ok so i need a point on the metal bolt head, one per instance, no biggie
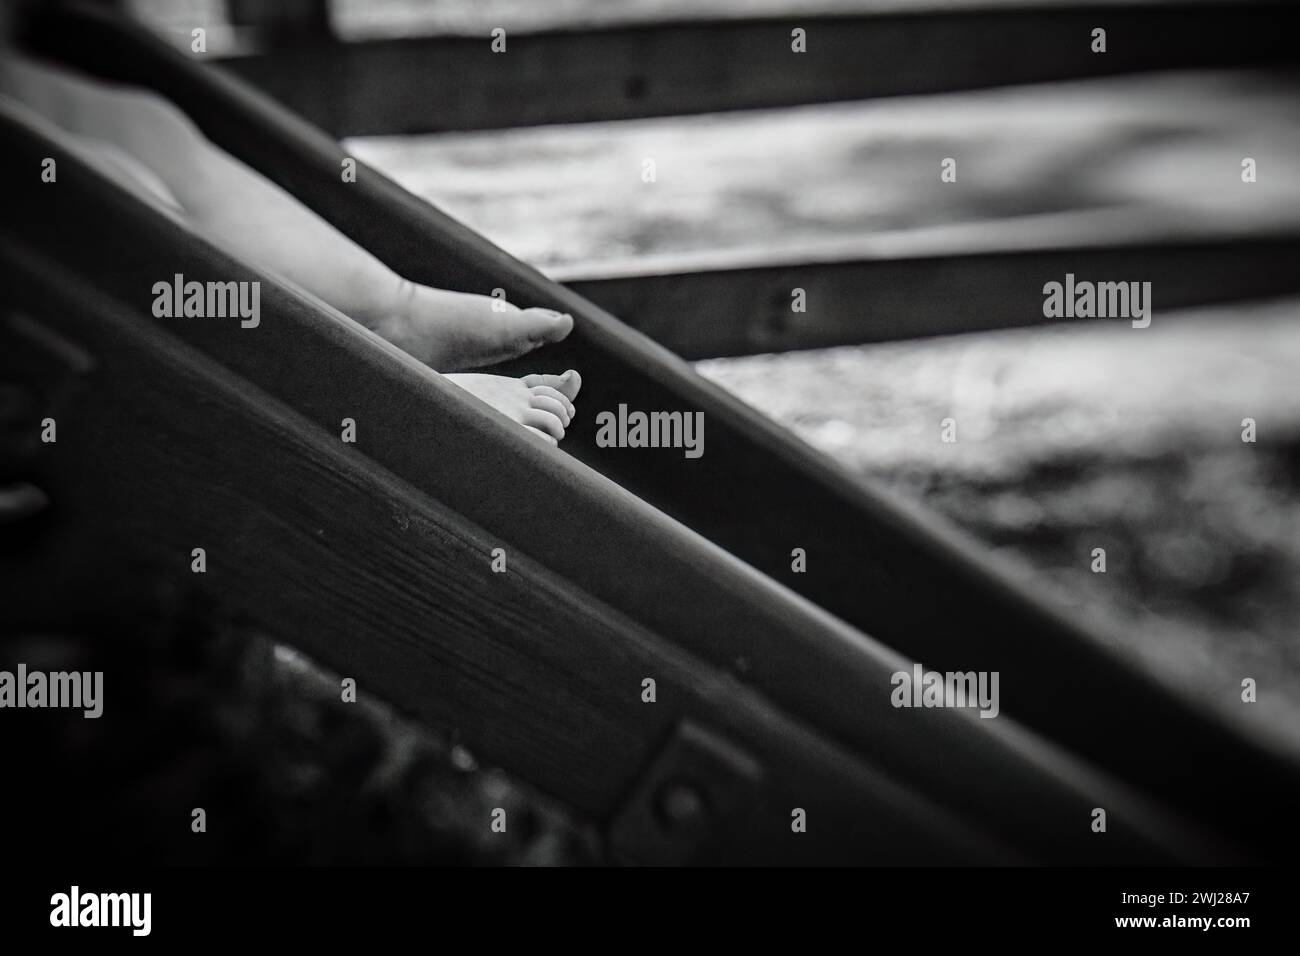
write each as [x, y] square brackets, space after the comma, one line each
[680, 806]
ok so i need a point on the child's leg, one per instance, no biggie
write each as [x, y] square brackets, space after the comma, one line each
[254, 219]
[541, 403]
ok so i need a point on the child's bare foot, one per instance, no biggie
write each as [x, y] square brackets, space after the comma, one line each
[541, 403]
[457, 330]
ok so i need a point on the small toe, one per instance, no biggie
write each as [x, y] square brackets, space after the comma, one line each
[544, 403]
[570, 384]
[567, 384]
[543, 421]
[556, 394]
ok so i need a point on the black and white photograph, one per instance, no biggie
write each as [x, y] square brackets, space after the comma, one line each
[650, 435]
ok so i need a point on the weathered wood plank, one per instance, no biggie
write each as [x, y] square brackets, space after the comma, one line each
[165, 451]
[306, 538]
[747, 309]
[608, 548]
[432, 84]
[880, 564]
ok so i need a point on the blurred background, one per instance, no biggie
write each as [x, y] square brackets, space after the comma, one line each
[1071, 436]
